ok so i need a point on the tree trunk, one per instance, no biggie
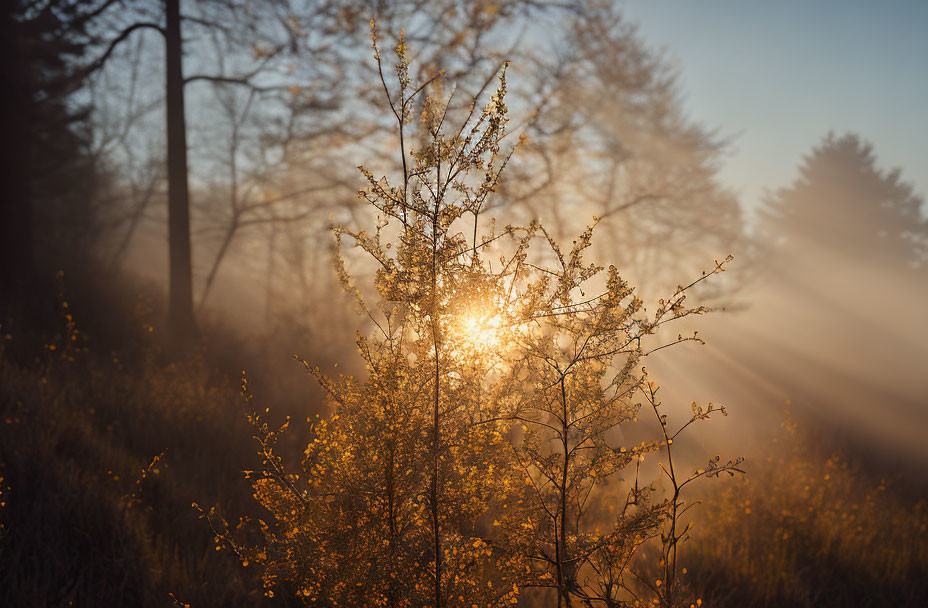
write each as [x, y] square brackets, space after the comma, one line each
[181, 321]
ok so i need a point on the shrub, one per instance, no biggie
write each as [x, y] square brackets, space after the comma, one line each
[463, 465]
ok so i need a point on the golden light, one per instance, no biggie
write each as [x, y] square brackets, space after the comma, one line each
[480, 331]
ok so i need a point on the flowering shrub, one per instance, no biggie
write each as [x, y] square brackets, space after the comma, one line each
[461, 468]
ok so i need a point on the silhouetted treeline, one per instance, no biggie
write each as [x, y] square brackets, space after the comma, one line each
[844, 204]
[49, 174]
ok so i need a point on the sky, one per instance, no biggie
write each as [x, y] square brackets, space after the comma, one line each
[776, 76]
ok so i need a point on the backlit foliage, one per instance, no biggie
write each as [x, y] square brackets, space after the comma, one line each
[462, 466]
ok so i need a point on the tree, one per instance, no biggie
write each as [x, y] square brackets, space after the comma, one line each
[29, 29]
[46, 172]
[395, 485]
[596, 100]
[577, 377]
[393, 504]
[609, 138]
[180, 309]
[842, 202]
[181, 317]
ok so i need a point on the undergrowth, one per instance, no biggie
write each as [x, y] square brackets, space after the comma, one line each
[809, 527]
[81, 525]
[90, 515]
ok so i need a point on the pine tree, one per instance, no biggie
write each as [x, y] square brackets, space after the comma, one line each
[46, 171]
[843, 202]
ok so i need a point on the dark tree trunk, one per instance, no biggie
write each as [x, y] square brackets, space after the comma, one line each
[181, 322]
[17, 257]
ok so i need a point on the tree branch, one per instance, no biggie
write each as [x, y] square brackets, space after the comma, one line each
[98, 63]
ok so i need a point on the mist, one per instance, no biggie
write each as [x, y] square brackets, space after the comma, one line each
[500, 264]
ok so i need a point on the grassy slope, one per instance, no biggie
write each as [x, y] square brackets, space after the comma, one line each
[806, 528]
[80, 422]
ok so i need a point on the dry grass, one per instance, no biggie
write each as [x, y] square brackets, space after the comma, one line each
[78, 425]
[807, 528]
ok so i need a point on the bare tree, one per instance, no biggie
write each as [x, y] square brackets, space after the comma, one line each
[181, 319]
[606, 132]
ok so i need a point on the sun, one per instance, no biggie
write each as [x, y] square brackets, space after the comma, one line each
[480, 331]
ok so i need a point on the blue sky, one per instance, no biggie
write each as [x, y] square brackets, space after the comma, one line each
[778, 75]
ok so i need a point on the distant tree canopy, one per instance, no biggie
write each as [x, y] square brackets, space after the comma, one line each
[843, 202]
[283, 99]
[610, 138]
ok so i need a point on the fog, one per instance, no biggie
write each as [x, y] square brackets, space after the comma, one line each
[196, 192]
[831, 317]
[820, 314]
